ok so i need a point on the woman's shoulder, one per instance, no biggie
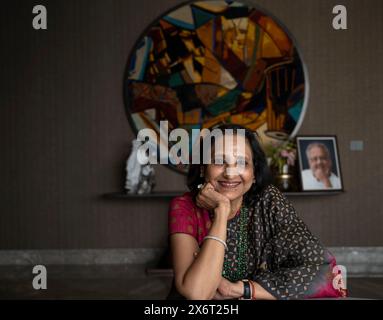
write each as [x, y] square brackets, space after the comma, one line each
[183, 205]
[271, 196]
[183, 215]
[272, 193]
[185, 200]
[275, 204]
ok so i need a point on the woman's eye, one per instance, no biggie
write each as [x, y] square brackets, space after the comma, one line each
[242, 162]
[218, 161]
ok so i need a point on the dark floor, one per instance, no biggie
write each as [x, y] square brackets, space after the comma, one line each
[118, 282]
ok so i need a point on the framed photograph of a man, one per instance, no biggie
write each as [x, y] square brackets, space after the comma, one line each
[319, 163]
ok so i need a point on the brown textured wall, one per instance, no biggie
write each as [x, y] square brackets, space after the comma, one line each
[64, 135]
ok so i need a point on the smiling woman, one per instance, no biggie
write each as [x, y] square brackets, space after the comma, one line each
[235, 236]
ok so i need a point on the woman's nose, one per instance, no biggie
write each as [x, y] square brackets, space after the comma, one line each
[232, 170]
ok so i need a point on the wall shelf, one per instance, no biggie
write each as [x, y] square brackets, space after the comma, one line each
[157, 194]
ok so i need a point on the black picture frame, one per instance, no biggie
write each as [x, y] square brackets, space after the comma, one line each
[325, 146]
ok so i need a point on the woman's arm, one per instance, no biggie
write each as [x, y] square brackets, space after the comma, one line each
[260, 293]
[197, 278]
[234, 290]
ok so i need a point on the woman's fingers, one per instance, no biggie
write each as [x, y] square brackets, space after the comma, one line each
[209, 186]
[204, 202]
[204, 198]
[207, 189]
[209, 199]
[201, 202]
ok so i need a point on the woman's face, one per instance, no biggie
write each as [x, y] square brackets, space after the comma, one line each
[222, 173]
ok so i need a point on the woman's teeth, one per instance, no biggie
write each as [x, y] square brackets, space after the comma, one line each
[229, 184]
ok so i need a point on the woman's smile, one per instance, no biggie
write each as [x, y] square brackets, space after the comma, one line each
[229, 184]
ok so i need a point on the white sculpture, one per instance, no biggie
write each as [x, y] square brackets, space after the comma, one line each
[146, 182]
[139, 178]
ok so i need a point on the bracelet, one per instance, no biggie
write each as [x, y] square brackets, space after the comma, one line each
[247, 294]
[252, 290]
[217, 239]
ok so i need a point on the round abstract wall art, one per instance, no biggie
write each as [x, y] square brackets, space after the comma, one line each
[209, 62]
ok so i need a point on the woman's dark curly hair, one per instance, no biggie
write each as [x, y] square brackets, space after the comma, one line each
[261, 169]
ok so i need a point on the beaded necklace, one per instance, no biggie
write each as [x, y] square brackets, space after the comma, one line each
[238, 269]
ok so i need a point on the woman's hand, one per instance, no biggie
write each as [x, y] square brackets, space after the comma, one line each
[210, 199]
[228, 290]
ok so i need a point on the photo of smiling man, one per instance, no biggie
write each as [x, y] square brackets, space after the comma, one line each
[319, 164]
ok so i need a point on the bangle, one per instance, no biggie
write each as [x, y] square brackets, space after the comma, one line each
[217, 239]
[253, 290]
[246, 290]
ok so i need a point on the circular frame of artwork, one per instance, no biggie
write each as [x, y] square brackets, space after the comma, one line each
[203, 63]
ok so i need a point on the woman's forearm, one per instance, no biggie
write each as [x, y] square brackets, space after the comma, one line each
[202, 279]
[260, 293]
[235, 290]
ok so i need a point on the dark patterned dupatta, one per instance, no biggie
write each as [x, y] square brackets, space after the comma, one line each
[289, 262]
